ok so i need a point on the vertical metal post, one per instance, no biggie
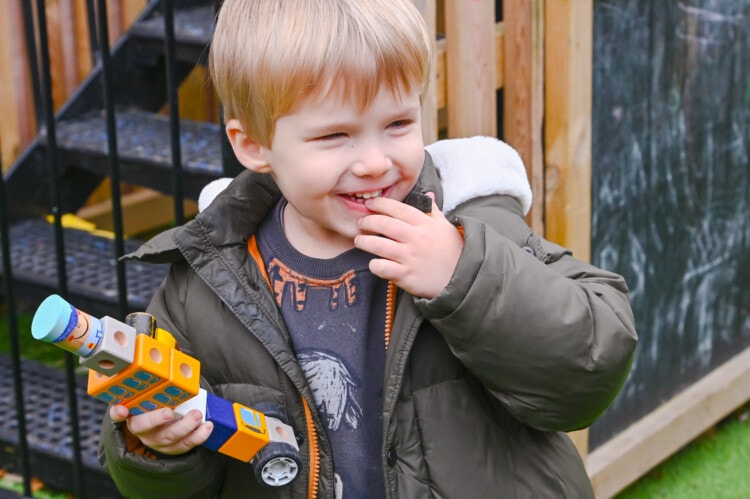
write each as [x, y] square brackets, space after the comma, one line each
[62, 278]
[91, 19]
[174, 108]
[15, 349]
[114, 167]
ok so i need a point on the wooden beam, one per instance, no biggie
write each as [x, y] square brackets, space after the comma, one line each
[499, 55]
[440, 78]
[646, 443]
[131, 9]
[16, 101]
[142, 211]
[68, 46]
[9, 125]
[430, 126]
[470, 67]
[524, 94]
[567, 123]
[82, 59]
[568, 49]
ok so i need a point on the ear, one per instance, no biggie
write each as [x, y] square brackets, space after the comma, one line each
[249, 152]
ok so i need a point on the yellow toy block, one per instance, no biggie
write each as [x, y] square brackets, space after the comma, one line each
[182, 383]
[251, 435]
[165, 337]
[150, 368]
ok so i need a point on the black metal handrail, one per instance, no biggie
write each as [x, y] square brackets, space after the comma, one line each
[37, 43]
[53, 166]
[15, 348]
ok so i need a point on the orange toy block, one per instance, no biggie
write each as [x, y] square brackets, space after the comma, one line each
[182, 383]
[251, 435]
[150, 368]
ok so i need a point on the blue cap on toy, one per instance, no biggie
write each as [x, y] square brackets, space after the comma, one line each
[57, 321]
[53, 319]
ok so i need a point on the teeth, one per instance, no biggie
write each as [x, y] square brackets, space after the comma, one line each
[367, 195]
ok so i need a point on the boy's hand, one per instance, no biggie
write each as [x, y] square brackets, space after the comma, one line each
[419, 251]
[159, 430]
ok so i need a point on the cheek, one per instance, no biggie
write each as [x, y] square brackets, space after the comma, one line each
[416, 159]
[303, 184]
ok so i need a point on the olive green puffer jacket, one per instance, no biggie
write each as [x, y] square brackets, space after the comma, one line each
[525, 343]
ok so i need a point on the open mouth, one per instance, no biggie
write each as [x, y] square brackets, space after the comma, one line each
[361, 197]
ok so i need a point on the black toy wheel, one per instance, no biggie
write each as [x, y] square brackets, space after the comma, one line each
[277, 464]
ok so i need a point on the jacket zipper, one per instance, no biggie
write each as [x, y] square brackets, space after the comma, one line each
[312, 485]
[390, 309]
[312, 433]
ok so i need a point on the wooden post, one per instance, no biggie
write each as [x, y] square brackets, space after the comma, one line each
[567, 124]
[428, 8]
[68, 46]
[16, 101]
[524, 93]
[82, 58]
[567, 132]
[470, 67]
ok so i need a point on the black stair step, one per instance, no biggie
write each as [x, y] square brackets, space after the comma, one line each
[143, 145]
[193, 28]
[48, 431]
[90, 268]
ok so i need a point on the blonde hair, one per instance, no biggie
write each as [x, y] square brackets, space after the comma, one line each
[268, 56]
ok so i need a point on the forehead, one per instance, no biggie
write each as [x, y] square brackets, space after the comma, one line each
[337, 102]
[349, 93]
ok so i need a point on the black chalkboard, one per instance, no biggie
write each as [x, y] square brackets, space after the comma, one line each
[671, 187]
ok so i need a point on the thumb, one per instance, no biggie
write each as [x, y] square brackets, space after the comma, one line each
[118, 413]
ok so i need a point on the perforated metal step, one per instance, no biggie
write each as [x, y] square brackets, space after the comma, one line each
[90, 267]
[193, 27]
[143, 146]
[48, 428]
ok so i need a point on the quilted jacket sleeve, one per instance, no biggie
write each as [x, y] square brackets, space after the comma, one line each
[194, 474]
[550, 337]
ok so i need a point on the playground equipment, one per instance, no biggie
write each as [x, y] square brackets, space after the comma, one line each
[139, 365]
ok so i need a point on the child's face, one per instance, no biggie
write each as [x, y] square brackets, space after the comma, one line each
[327, 157]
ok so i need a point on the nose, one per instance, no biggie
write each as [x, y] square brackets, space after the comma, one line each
[371, 161]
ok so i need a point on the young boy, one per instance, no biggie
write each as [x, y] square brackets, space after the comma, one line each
[415, 354]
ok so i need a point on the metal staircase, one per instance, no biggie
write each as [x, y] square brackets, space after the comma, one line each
[139, 74]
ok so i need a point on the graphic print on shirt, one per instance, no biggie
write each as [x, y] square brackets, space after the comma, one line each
[334, 312]
[332, 388]
[332, 383]
[283, 278]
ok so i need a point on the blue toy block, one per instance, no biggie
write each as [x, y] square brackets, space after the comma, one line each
[221, 413]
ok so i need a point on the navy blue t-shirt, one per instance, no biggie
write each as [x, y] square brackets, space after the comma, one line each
[335, 311]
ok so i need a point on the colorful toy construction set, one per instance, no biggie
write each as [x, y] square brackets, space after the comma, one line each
[139, 365]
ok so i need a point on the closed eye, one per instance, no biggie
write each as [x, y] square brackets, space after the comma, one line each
[331, 136]
[400, 123]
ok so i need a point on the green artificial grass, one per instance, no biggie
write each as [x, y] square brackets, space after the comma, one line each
[30, 348]
[38, 489]
[715, 466]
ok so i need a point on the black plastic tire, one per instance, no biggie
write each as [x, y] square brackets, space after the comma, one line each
[277, 464]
